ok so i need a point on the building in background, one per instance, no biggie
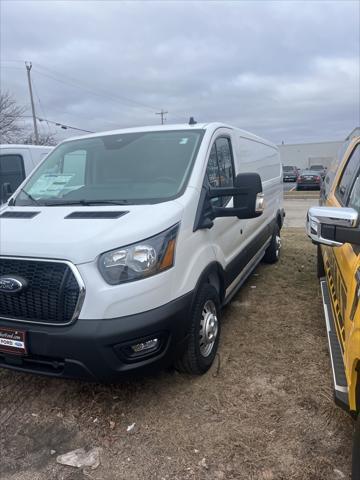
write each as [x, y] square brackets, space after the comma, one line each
[303, 155]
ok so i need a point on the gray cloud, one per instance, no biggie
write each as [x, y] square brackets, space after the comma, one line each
[284, 70]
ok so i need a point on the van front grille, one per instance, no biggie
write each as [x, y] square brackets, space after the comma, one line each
[50, 295]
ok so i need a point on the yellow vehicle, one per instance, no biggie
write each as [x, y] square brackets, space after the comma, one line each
[335, 228]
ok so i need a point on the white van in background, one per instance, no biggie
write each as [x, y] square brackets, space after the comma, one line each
[16, 162]
[121, 248]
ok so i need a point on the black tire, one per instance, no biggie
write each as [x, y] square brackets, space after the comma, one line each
[272, 253]
[192, 360]
[356, 451]
[320, 270]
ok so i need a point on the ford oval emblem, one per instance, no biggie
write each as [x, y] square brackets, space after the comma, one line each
[11, 284]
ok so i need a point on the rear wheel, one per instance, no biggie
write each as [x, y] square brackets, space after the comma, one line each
[356, 451]
[272, 253]
[320, 263]
[203, 339]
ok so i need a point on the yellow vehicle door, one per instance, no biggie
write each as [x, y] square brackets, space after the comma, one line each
[342, 265]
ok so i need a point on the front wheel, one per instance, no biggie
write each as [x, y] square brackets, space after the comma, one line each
[356, 451]
[203, 338]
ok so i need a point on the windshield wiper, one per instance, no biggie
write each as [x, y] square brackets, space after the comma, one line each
[108, 202]
[86, 202]
[29, 196]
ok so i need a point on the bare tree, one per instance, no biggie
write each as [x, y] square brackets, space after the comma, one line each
[48, 139]
[10, 114]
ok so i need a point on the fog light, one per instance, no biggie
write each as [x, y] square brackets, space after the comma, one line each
[139, 349]
[151, 344]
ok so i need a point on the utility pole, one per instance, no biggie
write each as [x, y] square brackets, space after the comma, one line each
[28, 68]
[162, 114]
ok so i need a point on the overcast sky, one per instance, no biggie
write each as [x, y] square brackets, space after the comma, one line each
[284, 70]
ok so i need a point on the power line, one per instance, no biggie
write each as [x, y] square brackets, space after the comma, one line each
[75, 83]
[66, 80]
[63, 126]
[58, 124]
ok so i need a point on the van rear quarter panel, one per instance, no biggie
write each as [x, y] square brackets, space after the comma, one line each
[252, 155]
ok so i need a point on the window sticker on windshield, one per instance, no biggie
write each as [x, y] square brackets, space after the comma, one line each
[183, 141]
[51, 183]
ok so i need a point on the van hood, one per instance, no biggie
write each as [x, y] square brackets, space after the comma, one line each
[64, 233]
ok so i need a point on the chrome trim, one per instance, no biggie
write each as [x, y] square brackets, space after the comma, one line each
[338, 216]
[78, 278]
[338, 388]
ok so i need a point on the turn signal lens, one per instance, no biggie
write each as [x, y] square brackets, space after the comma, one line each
[168, 260]
[260, 203]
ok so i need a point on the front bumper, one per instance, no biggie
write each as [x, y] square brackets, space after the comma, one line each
[97, 349]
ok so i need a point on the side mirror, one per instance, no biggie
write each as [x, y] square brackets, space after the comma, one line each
[247, 194]
[6, 192]
[333, 226]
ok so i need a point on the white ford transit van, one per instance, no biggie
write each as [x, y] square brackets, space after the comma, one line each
[119, 251]
[16, 162]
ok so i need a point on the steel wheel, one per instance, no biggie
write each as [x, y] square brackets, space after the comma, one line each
[208, 328]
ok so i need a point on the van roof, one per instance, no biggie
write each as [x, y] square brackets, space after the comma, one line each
[176, 126]
[31, 147]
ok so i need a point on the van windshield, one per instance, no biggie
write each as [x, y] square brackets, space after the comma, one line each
[128, 168]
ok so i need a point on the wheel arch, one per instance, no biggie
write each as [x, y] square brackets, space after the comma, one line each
[280, 215]
[214, 275]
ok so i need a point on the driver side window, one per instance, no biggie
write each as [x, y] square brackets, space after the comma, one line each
[220, 169]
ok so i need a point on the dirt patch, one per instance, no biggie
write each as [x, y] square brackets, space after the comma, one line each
[264, 411]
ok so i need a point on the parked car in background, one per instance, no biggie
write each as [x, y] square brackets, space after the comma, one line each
[16, 162]
[308, 180]
[320, 169]
[122, 247]
[290, 173]
[335, 228]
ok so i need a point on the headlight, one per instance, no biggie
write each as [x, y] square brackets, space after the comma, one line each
[139, 260]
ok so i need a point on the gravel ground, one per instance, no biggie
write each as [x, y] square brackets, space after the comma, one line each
[264, 411]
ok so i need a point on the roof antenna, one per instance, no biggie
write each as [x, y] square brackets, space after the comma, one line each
[192, 121]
